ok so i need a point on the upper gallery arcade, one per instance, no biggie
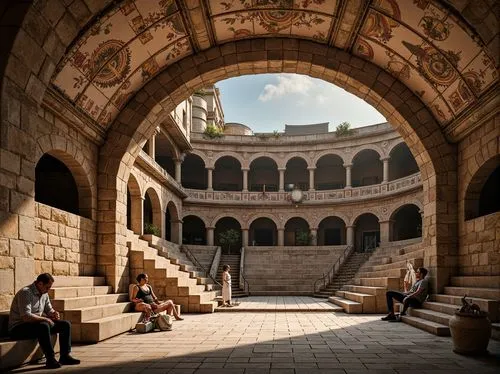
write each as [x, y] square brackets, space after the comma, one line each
[106, 100]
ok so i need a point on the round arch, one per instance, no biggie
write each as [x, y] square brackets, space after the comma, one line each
[70, 154]
[193, 172]
[297, 232]
[227, 174]
[257, 155]
[300, 155]
[366, 147]
[297, 173]
[220, 155]
[222, 238]
[366, 232]
[401, 162]
[134, 205]
[330, 173]
[328, 152]
[152, 213]
[263, 174]
[405, 222]
[172, 223]
[263, 231]
[194, 230]
[332, 231]
[367, 168]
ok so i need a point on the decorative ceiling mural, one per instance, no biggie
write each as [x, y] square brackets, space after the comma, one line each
[119, 53]
[420, 42]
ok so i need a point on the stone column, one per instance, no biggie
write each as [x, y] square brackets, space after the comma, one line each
[210, 235]
[350, 235]
[348, 168]
[281, 237]
[176, 234]
[244, 237]
[137, 212]
[152, 144]
[314, 236]
[385, 160]
[282, 179]
[385, 231]
[311, 177]
[178, 170]
[209, 181]
[245, 179]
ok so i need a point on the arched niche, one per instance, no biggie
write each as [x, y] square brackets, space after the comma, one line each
[482, 194]
[152, 214]
[222, 226]
[330, 173]
[332, 231]
[297, 232]
[263, 172]
[296, 174]
[401, 162]
[367, 169]
[194, 173]
[263, 232]
[406, 223]
[366, 232]
[227, 174]
[193, 231]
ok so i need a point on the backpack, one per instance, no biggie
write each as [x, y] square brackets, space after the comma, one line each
[163, 322]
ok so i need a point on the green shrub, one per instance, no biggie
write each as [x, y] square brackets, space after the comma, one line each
[213, 131]
[303, 238]
[150, 229]
[344, 129]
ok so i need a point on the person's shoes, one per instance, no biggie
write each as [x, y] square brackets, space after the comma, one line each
[397, 318]
[179, 319]
[68, 360]
[389, 317]
[52, 363]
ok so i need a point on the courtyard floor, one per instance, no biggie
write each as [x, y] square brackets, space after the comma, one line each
[279, 342]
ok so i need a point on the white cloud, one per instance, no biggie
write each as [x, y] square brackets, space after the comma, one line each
[321, 98]
[287, 84]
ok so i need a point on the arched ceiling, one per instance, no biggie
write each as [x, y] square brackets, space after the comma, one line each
[424, 43]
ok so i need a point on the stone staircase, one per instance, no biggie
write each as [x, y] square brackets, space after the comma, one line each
[345, 274]
[385, 269]
[436, 313]
[172, 274]
[94, 311]
[234, 262]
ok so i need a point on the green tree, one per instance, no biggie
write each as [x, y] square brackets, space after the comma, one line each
[229, 237]
[344, 129]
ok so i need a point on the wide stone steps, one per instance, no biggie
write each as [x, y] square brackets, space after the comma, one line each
[97, 312]
[103, 328]
[487, 305]
[67, 292]
[376, 291]
[440, 307]
[476, 281]
[397, 257]
[78, 281]
[349, 306]
[431, 315]
[429, 326]
[483, 293]
[391, 273]
[82, 302]
[387, 282]
[417, 262]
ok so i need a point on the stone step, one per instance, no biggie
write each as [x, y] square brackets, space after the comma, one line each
[304, 290]
[476, 281]
[417, 262]
[97, 312]
[430, 315]
[78, 281]
[391, 273]
[495, 331]
[429, 326]
[487, 305]
[376, 291]
[103, 328]
[471, 292]
[70, 292]
[87, 301]
[14, 353]
[387, 282]
[368, 302]
[349, 306]
[440, 307]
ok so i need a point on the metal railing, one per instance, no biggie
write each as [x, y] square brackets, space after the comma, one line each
[243, 282]
[327, 277]
[195, 261]
[215, 263]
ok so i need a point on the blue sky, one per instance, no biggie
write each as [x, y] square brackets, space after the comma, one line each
[266, 102]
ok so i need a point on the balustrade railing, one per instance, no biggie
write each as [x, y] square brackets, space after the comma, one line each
[195, 261]
[396, 186]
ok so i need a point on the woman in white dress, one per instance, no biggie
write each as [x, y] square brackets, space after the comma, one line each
[226, 286]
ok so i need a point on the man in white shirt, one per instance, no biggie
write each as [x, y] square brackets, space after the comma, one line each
[414, 298]
[32, 316]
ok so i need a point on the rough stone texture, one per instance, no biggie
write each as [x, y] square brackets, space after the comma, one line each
[65, 243]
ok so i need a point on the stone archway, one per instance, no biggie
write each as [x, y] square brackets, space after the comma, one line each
[24, 82]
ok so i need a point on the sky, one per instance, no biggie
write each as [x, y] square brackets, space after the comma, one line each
[266, 102]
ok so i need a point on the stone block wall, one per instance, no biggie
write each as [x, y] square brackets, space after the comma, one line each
[479, 250]
[65, 243]
[288, 269]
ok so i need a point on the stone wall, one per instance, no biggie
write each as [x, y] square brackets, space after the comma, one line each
[65, 243]
[288, 269]
[479, 238]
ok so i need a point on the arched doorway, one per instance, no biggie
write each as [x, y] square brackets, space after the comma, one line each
[152, 214]
[194, 173]
[296, 174]
[55, 185]
[482, 195]
[263, 232]
[367, 169]
[329, 173]
[263, 172]
[134, 206]
[297, 232]
[172, 223]
[401, 162]
[228, 235]
[332, 231]
[406, 223]
[367, 232]
[227, 174]
[193, 231]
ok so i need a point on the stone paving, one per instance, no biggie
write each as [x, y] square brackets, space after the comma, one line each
[288, 343]
[281, 304]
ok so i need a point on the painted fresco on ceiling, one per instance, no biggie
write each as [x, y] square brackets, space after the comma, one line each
[425, 46]
[120, 53]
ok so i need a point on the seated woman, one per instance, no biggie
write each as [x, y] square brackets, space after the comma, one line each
[146, 301]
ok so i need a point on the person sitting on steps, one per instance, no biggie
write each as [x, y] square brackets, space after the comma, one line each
[146, 301]
[414, 298]
[32, 316]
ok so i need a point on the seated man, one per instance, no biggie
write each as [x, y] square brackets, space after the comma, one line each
[414, 298]
[32, 316]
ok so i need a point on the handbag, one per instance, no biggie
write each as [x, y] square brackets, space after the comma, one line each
[163, 322]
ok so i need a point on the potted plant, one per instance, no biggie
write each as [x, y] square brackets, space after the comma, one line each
[150, 229]
[229, 238]
[470, 329]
